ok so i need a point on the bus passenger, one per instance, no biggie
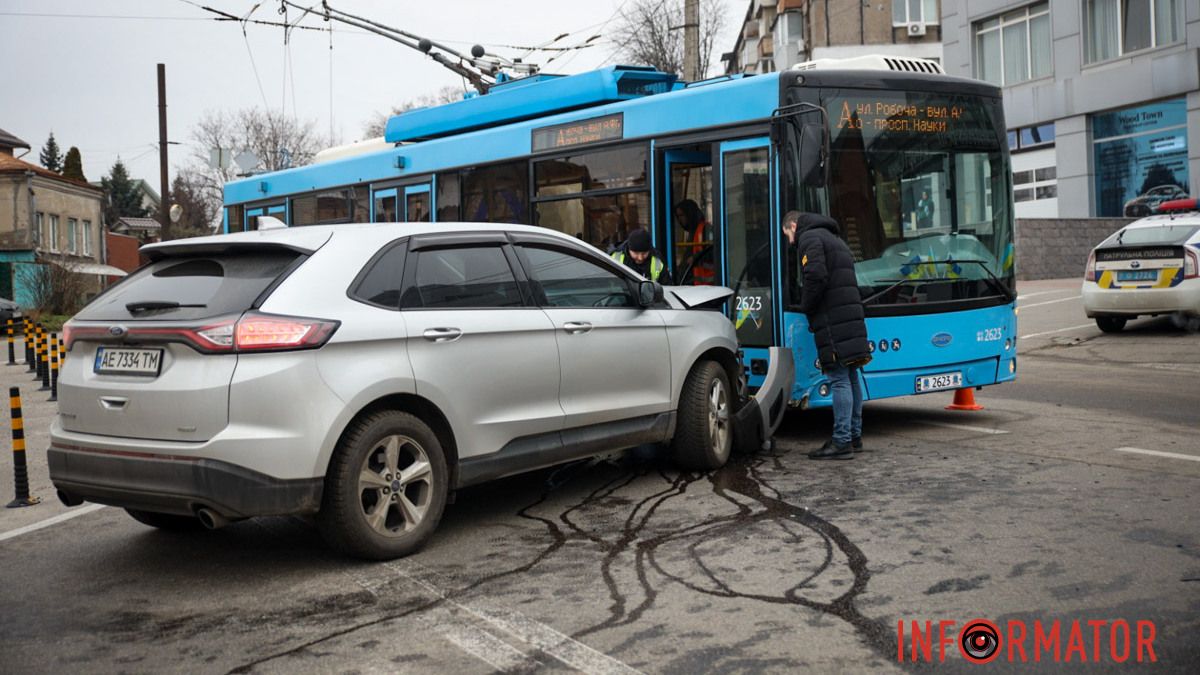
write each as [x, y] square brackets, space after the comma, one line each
[699, 251]
[639, 255]
[830, 299]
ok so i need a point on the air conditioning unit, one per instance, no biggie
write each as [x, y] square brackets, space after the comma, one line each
[916, 29]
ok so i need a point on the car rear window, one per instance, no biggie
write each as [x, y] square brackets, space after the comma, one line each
[1167, 234]
[185, 288]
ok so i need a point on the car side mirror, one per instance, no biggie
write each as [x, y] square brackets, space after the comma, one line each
[649, 293]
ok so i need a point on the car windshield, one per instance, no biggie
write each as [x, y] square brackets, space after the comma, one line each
[1167, 234]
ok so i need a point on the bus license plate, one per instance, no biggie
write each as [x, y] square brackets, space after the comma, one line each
[1137, 275]
[124, 361]
[938, 382]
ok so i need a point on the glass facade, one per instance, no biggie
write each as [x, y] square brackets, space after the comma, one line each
[1140, 157]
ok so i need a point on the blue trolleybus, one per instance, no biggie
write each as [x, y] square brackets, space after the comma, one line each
[912, 164]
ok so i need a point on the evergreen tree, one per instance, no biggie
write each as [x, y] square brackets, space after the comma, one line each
[121, 195]
[50, 156]
[73, 165]
[197, 214]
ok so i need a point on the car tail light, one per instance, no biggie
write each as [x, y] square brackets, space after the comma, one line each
[1089, 272]
[262, 332]
[1191, 264]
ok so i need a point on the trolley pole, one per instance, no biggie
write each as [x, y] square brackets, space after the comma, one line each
[20, 472]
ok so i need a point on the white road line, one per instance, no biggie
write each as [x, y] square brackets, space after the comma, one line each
[1159, 453]
[74, 513]
[1034, 295]
[551, 642]
[964, 427]
[485, 646]
[1056, 330]
[1050, 302]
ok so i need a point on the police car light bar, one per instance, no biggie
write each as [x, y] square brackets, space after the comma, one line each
[1176, 205]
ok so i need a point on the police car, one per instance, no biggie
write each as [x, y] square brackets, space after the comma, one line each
[1147, 268]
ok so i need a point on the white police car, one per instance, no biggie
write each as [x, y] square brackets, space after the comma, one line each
[1147, 268]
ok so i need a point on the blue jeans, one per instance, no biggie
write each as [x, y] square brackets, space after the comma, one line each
[847, 403]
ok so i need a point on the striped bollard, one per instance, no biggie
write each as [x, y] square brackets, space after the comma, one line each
[53, 367]
[12, 349]
[30, 358]
[39, 351]
[20, 472]
[45, 362]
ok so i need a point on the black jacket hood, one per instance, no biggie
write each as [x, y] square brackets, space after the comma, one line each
[808, 221]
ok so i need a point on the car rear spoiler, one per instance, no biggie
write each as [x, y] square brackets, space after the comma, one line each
[242, 242]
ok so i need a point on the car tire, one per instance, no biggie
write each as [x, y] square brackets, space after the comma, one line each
[166, 521]
[704, 427]
[369, 509]
[1111, 324]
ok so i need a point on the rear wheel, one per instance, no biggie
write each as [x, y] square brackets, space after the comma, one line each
[386, 487]
[1111, 324]
[166, 521]
[704, 428]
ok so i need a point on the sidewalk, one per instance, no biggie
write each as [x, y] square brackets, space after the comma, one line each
[38, 412]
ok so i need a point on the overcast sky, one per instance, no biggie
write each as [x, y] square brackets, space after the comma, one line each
[85, 69]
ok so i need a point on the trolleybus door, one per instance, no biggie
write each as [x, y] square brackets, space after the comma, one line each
[384, 206]
[418, 203]
[751, 236]
[688, 177]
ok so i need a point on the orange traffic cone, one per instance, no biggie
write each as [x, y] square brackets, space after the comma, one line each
[964, 399]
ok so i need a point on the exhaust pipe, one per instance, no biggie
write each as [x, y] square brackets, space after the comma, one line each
[211, 519]
[68, 499]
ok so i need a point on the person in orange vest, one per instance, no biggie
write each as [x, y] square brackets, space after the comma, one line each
[691, 219]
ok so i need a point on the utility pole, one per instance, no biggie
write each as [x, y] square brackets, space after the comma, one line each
[164, 207]
[691, 40]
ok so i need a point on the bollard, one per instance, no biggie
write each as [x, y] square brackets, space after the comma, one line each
[39, 347]
[30, 357]
[12, 349]
[53, 367]
[20, 472]
[45, 362]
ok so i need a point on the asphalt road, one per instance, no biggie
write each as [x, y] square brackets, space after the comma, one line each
[1048, 505]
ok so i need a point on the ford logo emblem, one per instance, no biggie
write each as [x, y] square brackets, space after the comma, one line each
[117, 331]
[1135, 264]
[942, 339]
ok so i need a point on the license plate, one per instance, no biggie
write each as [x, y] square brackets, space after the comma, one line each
[940, 381]
[125, 361]
[1137, 275]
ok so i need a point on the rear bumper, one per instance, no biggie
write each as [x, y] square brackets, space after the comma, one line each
[176, 484]
[1141, 301]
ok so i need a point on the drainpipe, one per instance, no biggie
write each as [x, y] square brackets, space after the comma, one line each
[34, 235]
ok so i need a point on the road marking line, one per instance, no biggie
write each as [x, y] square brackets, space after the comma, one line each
[558, 645]
[1057, 330]
[1050, 302]
[964, 427]
[1034, 295]
[74, 513]
[1159, 453]
[485, 646]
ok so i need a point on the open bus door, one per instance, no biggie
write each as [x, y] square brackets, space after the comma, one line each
[692, 249]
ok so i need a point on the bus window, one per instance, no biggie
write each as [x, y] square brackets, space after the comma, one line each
[602, 221]
[564, 203]
[448, 197]
[235, 218]
[497, 193]
[747, 206]
[417, 207]
[689, 212]
[385, 206]
[328, 206]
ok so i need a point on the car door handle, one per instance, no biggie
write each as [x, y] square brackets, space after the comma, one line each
[577, 326]
[113, 402]
[442, 334]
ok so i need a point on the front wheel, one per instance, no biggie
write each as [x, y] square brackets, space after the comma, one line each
[704, 428]
[386, 487]
[1111, 324]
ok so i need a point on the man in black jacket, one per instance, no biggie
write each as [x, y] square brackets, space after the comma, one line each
[830, 299]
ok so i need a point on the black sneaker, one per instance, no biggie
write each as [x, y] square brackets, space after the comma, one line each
[832, 450]
[856, 444]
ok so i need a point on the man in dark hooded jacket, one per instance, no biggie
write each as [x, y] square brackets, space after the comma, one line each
[830, 299]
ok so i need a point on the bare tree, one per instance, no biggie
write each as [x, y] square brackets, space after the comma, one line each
[650, 32]
[279, 142]
[378, 122]
[55, 287]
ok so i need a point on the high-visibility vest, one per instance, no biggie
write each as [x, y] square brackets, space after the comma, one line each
[702, 274]
[656, 265]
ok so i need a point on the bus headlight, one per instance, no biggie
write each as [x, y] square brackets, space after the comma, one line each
[1007, 344]
[1012, 366]
[824, 389]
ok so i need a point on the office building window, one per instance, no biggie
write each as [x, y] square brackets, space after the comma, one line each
[1015, 46]
[1030, 137]
[72, 235]
[52, 241]
[1116, 27]
[87, 237]
[905, 12]
[1035, 184]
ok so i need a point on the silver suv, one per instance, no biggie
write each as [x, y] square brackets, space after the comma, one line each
[362, 372]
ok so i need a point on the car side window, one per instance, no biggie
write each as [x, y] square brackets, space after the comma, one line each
[572, 281]
[461, 278]
[380, 283]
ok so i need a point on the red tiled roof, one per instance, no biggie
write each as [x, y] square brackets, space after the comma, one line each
[10, 164]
